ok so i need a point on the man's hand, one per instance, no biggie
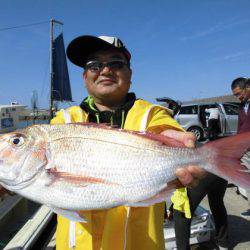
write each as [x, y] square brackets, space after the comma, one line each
[190, 175]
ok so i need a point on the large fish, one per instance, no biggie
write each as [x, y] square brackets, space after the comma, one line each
[74, 167]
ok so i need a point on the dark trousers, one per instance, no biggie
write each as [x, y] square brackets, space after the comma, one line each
[215, 188]
[213, 129]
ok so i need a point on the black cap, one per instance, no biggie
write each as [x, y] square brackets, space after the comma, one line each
[81, 47]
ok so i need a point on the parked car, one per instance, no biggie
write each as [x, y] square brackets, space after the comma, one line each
[192, 117]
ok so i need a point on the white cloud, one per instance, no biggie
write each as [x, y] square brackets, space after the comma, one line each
[214, 29]
[232, 57]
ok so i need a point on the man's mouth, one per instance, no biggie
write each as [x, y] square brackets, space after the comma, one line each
[107, 81]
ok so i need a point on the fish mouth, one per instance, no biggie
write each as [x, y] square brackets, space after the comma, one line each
[18, 183]
[15, 186]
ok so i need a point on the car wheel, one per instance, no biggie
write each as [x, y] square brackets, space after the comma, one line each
[198, 132]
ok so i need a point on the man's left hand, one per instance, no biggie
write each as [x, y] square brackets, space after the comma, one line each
[190, 175]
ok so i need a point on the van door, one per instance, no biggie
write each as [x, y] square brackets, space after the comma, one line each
[231, 118]
[188, 116]
[222, 119]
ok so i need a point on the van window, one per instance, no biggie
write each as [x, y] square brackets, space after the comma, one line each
[231, 109]
[189, 110]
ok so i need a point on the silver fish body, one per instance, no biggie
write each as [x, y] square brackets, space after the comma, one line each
[85, 167]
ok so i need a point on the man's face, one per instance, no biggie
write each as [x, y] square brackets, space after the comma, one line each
[111, 84]
[247, 93]
[239, 93]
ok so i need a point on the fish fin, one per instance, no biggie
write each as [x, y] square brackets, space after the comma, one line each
[163, 195]
[70, 215]
[79, 179]
[228, 154]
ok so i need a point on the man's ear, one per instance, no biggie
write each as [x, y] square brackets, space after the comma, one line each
[84, 75]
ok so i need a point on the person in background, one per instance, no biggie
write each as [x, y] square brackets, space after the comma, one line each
[107, 76]
[214, 187]
[241, 89]
[213, 123]
[175, 106]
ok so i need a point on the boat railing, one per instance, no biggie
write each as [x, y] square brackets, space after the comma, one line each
[26, 225]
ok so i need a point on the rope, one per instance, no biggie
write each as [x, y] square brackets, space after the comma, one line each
[22, 26]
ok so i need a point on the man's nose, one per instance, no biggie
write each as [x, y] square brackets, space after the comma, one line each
[105, 70]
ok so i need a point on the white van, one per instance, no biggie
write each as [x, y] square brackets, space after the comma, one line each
[193, 118]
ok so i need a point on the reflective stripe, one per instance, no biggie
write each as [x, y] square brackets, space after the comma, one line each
[126, 227]
[66, 115]
[145, 118]
[72, 234]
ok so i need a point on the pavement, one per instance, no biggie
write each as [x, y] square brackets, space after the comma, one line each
[239, 228]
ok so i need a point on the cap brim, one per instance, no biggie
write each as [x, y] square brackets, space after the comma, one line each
[81, 47]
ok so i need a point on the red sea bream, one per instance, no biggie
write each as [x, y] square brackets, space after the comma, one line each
[74, 167]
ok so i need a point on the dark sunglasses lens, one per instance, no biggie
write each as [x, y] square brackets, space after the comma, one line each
[115, 64]
[94, 66]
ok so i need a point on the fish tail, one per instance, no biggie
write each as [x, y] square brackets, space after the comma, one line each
[228, 154]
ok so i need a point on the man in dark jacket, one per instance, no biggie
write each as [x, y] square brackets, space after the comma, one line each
[241, 89]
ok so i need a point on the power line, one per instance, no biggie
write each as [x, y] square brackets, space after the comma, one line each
[22, 26]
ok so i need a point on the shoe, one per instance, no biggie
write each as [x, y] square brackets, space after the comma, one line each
[246, 214]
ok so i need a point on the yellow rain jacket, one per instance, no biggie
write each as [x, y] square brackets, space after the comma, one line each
[135, 228]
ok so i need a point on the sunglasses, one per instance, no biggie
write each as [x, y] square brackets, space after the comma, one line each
[96, 66]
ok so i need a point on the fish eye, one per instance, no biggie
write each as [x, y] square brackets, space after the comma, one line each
[17, 141]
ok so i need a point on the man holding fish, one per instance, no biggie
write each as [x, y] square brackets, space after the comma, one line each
[107, 76]
[106, 184]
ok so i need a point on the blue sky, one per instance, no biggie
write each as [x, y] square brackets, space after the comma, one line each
[181, 49]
